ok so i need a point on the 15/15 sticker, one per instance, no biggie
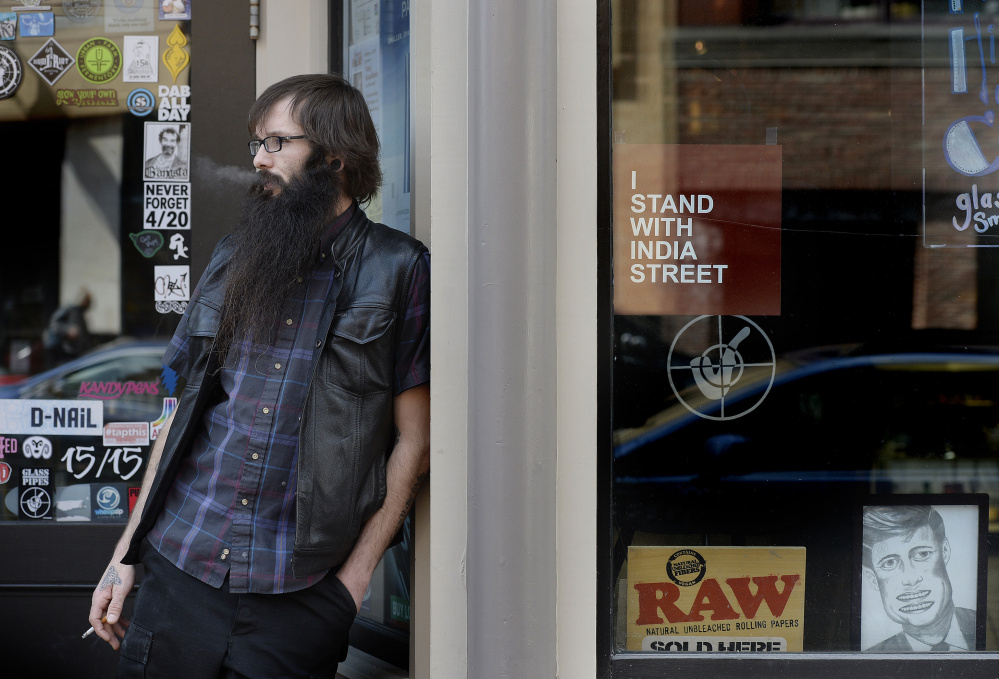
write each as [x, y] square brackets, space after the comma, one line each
[124, 462]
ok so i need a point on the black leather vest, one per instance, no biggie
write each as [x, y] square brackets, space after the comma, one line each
[347, 429]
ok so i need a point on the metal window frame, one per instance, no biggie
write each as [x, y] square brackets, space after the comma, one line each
[631, 665]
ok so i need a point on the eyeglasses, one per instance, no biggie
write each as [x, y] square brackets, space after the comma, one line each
[270, 144]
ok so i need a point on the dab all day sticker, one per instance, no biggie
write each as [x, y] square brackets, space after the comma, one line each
[175, 102]
[99, 60]
[51, 61]
[11, 72]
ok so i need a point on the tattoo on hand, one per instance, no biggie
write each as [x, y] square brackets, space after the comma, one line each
[110, 579]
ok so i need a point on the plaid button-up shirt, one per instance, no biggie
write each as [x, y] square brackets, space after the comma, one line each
[232, 505]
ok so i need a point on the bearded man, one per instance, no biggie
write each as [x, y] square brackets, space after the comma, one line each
[302, 436]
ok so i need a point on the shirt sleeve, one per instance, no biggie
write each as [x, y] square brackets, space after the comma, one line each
[412, 359]
[177, 356]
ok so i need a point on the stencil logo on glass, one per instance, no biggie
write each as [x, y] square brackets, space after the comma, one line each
[720, 366]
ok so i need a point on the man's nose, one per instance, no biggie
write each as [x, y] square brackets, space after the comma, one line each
[262, 159]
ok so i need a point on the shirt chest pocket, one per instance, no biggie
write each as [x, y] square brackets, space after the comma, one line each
[360, 354]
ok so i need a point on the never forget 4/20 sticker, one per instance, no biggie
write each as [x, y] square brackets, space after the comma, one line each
[99, 60]
[11, 72]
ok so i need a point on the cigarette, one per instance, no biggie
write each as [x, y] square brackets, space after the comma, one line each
[91, 630]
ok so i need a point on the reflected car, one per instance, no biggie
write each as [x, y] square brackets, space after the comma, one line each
[127, 375]
[830, 424]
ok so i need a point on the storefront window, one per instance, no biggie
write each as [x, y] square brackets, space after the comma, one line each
[805, 407]
[95, 105]
[375, 57]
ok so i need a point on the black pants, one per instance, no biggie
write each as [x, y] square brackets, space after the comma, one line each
[182, 627]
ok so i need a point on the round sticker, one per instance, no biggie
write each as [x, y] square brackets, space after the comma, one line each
[686, 567]
[81, 11]
[141, 102]
[734, 349]
[108, 498]
[128, 6]
[35, 502]
[11, 72]
[99, 60]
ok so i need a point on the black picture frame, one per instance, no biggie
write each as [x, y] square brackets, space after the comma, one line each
[965, 522]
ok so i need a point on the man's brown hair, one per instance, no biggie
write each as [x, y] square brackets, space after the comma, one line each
[334, 117]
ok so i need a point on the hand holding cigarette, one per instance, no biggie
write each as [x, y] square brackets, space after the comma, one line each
[91, 630]
[107, 603]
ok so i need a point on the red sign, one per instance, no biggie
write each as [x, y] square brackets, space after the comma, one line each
[697, 229]
[4, 472]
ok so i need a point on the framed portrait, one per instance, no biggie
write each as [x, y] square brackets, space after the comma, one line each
[920, 580]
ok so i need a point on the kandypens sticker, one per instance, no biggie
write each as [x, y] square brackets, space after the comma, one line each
[99, 60]
[11, 72]
[176, 58]
[8, 25]
[51, 61]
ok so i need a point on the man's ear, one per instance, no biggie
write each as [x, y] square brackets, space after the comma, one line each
[872, 580]
[945, 547]
[336, 164]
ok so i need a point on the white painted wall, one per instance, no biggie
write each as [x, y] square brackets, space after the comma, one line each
[294, 39]
[576, 317]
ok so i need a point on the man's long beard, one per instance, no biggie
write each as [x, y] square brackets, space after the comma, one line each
[276, 242]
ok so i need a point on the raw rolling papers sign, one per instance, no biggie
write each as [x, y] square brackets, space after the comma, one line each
[716, 599]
